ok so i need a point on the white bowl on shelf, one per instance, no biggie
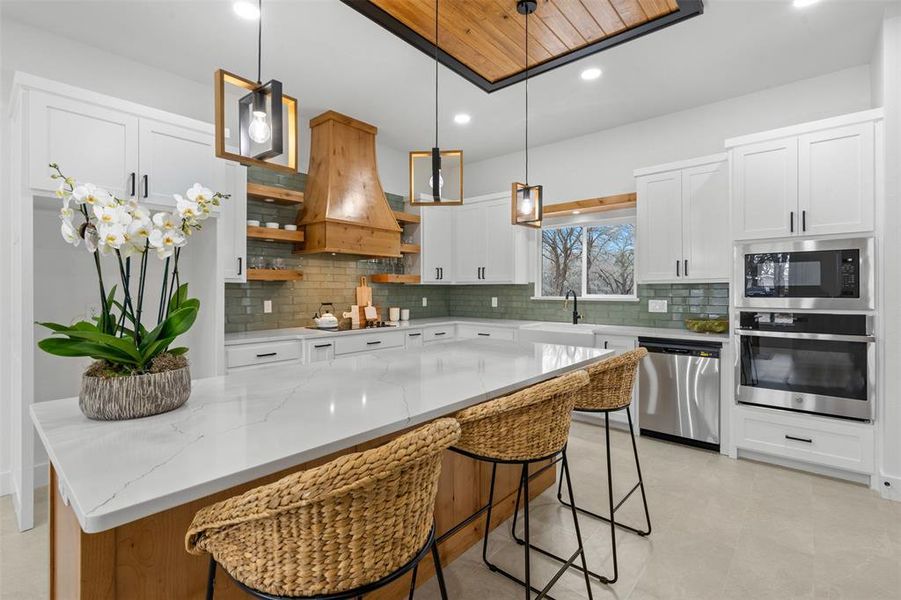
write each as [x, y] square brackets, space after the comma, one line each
[253, 223]
[272, 225]
[290, 227]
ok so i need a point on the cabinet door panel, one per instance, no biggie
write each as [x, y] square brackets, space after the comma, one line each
[837, 180]
[232, 225]
[498, 265]
[437, 229]
[469, 242]
[89, 142]
[765, 190]
[175, 158]
[706, 239]
[659, 236]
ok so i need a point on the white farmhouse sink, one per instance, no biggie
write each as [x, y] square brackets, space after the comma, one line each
[559, 333]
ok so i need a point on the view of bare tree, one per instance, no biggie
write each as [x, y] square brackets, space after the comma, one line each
[561, 260]
[609, 260]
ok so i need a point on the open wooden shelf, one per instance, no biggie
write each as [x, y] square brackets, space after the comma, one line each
[274, 235]
[404, 217]
[278, 195]
[410, 248]
[591, 205]
[394, 278]
[273, 275]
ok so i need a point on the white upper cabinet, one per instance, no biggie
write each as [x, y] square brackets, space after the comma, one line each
[812, 179]
[232, 224]
[475, 243]
[660, 226]
[836, 190]
[706, 238]
[683, 216]
[765, 189]
[89, 142]
[174, 158]
[437, 244]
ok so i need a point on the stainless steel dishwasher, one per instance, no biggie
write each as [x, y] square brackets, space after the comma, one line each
[679, 391]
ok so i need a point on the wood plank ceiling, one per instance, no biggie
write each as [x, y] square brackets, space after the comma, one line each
[487, 37]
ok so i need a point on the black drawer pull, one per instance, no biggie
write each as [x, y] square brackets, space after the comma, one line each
[484, 334]
[322, 345]
[437, 333]
[414, 334]
[267, 354]
[798, 439]
[373, 343]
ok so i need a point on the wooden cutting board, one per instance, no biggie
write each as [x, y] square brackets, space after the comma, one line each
[364, 293]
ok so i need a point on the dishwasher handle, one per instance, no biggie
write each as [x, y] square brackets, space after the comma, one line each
[680, 348]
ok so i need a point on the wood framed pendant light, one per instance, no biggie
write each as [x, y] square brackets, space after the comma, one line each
[444, 185]
[527, 200]
[265, 117]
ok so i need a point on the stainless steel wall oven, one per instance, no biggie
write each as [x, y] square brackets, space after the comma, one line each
[807, 362]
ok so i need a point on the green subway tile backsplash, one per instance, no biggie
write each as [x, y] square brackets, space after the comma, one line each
[334, 279]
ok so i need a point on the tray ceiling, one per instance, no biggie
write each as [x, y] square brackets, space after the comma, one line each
[484, 40]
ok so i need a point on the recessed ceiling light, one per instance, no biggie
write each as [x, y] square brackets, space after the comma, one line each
[462, 119]
[804, 3]
[591, 74]
[577, 212]
[246, 10]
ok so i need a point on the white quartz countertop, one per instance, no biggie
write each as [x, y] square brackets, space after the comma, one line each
[269, 335]
[246, 425]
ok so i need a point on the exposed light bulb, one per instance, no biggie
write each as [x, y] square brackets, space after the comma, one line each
[246, 10]
[259, 129]
[440, 182]
[526, 205]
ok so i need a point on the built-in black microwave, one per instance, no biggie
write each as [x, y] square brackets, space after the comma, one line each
[812, 274]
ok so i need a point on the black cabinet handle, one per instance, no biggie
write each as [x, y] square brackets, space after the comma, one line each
[414, 334]
[685, 269]
[322, 345]
[791, 221]
[803, 220]
[267, 354]
[436, 273]
[133, 183]
[677, 269]
[484, 334]
[605, 344]
[373, 343]
[798, 439]
[145, 181]
[240, 265]
[437, 333]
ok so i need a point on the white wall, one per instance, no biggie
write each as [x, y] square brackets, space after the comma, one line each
[601, 163]
[39, 53]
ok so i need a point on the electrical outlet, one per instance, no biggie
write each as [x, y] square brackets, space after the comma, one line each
[493, 302]
[267, 306]
[425, 301]
[657, 306]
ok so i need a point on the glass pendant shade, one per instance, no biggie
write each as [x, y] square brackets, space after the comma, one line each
[436, 177]
[527, 203]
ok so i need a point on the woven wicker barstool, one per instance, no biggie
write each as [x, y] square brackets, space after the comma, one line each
[336, 531]
[609, 390]
[523, 428]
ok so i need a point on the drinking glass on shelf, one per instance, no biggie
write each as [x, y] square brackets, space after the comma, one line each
[278, 263]
[257, 262]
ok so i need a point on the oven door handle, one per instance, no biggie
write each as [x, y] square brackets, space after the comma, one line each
[825, 337]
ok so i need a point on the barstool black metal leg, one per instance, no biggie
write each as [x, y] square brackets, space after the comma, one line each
[439, 571]
[610, 499]
[575, 514]
[637, 486]
[524, 484]
[211, 579]
[488, 519]
[413, 581]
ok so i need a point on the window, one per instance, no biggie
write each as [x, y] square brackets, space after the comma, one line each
[593, 259]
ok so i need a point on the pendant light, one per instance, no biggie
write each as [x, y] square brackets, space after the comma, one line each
[261, 116]
[526, 200]
[437, 190]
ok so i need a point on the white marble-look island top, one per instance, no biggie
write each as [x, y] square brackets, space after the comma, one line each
[247, 425]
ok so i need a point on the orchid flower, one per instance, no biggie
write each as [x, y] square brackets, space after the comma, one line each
[70, 234]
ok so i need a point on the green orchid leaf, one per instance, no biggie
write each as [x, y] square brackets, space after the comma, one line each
[178, 298]
[177, 351]
[69, 348]
[124, 345]
[177, 323]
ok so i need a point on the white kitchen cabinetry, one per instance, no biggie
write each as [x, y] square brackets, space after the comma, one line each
[683, 209]
[264, 353]
[414, 339]
[437, 230]
[483, 331]
[438, 333]
[232, 224]
[320, 350]
[811, 179]
[368, 342]
[475, 243]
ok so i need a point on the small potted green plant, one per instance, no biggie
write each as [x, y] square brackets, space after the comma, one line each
[137, 372]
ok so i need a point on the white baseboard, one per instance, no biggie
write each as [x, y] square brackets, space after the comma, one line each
[41, 478]
[889, 487]
[788, 463]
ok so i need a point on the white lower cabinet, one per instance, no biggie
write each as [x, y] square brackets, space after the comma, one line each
[843, 445]
[263, 353]
[481, 331]
[367, 342]
[439, 333]
[414, 339]
[321, 350]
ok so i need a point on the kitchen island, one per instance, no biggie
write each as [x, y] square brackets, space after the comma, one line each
[123, 493]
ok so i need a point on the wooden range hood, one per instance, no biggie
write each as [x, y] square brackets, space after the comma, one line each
[345, 210]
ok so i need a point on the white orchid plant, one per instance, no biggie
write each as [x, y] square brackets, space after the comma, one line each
[124, 230]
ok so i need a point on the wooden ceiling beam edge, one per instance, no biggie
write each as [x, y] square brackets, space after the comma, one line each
[592, 205]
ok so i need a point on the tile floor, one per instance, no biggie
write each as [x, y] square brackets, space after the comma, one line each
[722, 529]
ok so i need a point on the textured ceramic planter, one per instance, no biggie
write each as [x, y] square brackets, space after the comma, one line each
[133, 397]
